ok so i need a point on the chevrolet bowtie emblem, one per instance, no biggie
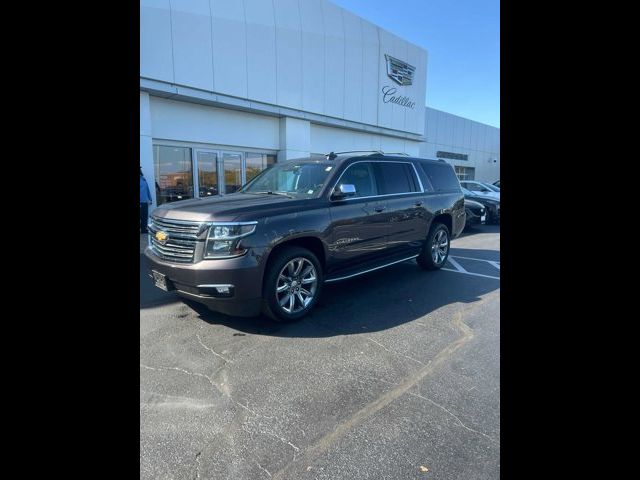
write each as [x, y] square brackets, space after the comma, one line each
[161, 236]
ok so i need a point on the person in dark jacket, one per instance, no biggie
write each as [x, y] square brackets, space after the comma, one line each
[145, 201]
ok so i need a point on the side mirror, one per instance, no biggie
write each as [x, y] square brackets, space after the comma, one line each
[344, 190]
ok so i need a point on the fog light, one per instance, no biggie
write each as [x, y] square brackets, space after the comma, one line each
[216, 291]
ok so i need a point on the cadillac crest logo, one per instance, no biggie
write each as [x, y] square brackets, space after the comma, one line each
[161, 236]
[399, 71]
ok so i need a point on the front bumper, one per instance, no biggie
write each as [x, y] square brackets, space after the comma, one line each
[195, 281]
[473, 219]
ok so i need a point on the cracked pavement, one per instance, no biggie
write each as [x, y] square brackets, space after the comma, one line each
[396, 374]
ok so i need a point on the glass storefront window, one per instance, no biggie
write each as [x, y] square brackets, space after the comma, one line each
[257, 162]
[465, 173]
[173, 173]
[232, 171]
[207, 173]
[184, 172]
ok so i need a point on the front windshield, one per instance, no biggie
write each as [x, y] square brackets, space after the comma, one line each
[298, 179]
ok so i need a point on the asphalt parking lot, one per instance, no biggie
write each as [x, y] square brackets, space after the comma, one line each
[396, 374]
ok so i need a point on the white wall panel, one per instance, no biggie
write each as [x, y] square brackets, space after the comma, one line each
[334, 60]
[192, 55]
[458, 131]
[353, 66]
[466, 133]
[398, 111]
[261, 51]
[479, 141]
[420, 89]
[145, 114]
[440, 127]
[391, 144]
[288, 53]
[308, 55]
[370, 73]
[229, 47]
[483, 138]
[431, 124]
[313, 60]
[326, 139]
[190, 122]
[448, 135]
[474, 135]
[385, 110]
[156, 50]
[414, 117]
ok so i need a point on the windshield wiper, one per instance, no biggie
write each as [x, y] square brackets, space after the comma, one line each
[273, 193]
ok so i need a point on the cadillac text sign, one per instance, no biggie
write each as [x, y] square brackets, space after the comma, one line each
[401, 73]
[389, 96]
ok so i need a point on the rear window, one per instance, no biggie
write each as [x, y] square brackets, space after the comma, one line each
[441, 176]
[395, 178]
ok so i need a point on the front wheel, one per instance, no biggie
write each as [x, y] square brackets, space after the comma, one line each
[293, 283]
[435, 251]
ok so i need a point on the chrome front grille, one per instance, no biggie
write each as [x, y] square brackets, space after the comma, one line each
[181, 239]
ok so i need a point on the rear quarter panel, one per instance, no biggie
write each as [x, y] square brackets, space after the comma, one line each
[452, 203]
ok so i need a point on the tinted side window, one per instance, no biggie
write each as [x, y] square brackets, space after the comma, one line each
[395, 178]
[360, 175]
[442, 177]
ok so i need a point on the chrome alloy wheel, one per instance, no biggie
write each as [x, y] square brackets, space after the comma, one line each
[439, 247]
[296, 286]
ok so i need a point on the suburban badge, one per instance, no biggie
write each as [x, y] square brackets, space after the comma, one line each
[161, 236]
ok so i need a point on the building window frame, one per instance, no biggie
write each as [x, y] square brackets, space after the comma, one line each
[465, 173]
[219, 150]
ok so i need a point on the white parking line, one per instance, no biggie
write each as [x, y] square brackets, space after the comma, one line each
[457, 266]
[492, 262]
[470, 273]
[460, 269]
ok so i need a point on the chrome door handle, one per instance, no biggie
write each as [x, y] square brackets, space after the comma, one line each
[380, 209]
[418, 204]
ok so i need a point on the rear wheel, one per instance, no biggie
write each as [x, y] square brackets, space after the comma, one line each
[435, 251]
[293, 282]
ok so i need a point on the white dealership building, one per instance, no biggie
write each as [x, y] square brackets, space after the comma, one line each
[228, 87]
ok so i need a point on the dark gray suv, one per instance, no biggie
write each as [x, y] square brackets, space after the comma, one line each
[271, 246]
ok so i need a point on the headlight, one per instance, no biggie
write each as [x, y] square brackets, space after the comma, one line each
[223, 240]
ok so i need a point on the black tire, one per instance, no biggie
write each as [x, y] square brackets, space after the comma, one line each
[271, 299]
[425, 259]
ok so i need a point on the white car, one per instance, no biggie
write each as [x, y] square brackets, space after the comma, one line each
[481, 188]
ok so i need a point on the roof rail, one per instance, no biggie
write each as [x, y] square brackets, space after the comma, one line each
[397, 153]
[332, 155]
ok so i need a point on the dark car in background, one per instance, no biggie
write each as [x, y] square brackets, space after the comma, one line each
[476, 212]
[302, 223]
[491, 204]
